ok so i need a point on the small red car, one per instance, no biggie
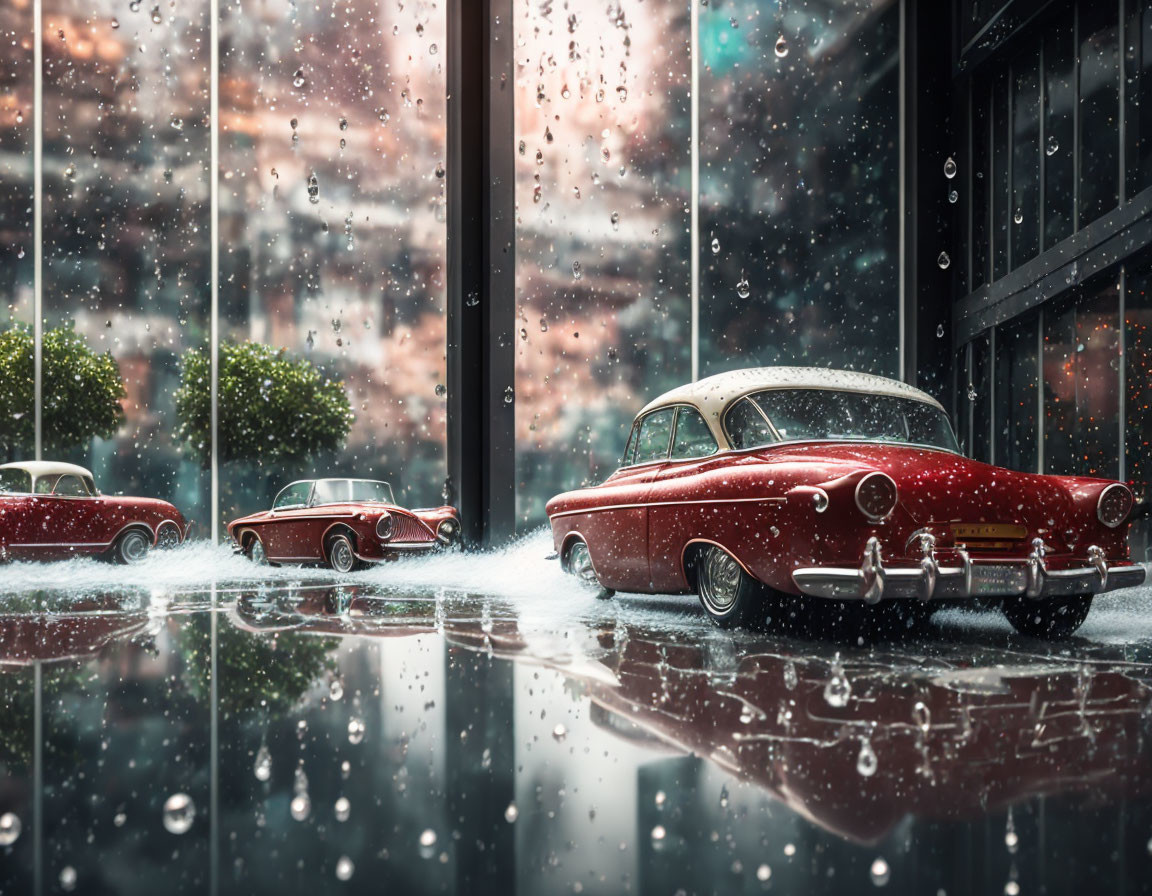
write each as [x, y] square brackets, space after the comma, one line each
[50, 511]
[841, 486]
[344, 523]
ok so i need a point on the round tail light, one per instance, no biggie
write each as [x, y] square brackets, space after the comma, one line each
[876, 496]
[1114, 505]
[384, 526]
[448, 531]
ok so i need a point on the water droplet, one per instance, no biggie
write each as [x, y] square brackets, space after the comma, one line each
[156, 17]
[298, 78]
[943, 260]
[539, 157]
[511, 813]
[605, 154]
[440, 170]
[300, 807]
[949, 168]
[428, 838]
[921, 714]
[179, 813]
[880, 872]
[939, 331]
[615, 219]
[543, 325]
[971, 392]
[763, 873]
[866, 762]
[10, 828]
[953, 196]
[119, 819]
[781, 47]
[742, 288]
[441, 390]
[20, 252]
[559, 732]
[1052, 147]
[659, 833]
[715, 246]
[1012, 888]
[622, 93]
[789, 849]
[509, 395]
[115, 24]
[262, 768]
[838, 689]
[70, 172]
[1011, 840]
[313, 188]
[134, 6]
[356, 730]
[724, 797]
[342, 809]
[336, 689]
[577, 270]
[791, 679]
[1018, 217]
[344, 868]
[68, 878]
[660, 798]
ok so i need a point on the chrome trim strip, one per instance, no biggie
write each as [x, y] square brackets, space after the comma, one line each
[668, 504]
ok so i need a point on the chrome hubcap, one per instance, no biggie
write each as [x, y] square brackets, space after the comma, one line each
[256, 552]
[580, 565]
[169, 537]
[134, 547]
[342, 556]
[719, 580]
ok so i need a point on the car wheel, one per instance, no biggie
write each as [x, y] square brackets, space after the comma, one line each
[132, 546]
[255, 551]
[1052, 617]
[168, 536]
[729, 595]
[341, 555]
[579, 564]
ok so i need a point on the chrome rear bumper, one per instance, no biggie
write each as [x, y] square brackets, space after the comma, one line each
[928, 580]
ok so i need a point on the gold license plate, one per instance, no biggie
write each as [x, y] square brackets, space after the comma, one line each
[1003, 532]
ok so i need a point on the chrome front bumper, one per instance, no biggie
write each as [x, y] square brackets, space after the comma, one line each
[928, 580]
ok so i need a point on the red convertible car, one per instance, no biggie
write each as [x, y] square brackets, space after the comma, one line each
[344, 523]
[842, 486]
[50, 511]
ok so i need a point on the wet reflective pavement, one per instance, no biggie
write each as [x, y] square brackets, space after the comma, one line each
[470, 724]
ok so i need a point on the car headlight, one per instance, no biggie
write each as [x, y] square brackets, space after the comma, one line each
[1114, 505]
[384, 526]
[448, 531]
[876, 496]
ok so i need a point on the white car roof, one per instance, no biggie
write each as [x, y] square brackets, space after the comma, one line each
[40, 468]
[713, 394]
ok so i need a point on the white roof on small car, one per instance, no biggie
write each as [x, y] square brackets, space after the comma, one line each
[713, 394]
[39, 468]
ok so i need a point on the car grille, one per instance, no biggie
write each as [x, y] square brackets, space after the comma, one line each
[409, 530]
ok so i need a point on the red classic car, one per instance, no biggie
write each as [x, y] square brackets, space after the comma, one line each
[837, 485]
[345, 523]
[49, 511]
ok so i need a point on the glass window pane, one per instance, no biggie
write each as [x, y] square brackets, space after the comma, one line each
[693, 437]
[1025, 158]
[799, 195]
[981, 182]
[746, 426]
[1059, 139]
[1081, 382]
[333, 241]
[963, 405]
[1099, 110]
[979, 396]
[1001, 185]
[1017, 409]
[1138, 399]
[1138, 94]
[655, 434]
[602, 147]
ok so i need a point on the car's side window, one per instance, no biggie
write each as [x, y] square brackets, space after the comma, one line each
[746, 426]
[15, 482]
[45, 485]
[655, 436]
[295, 495]
[630, 450]
[693, 437]
[70, 487]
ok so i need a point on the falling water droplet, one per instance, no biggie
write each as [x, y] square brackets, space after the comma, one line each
[428, 838]
[577, 270]
[313, 188]
[659, 833]
[300, 807]
[344, 868]
[262, 768]
[781, 47]
[509, 395]
[1052, 147]
[179, 813]
[763, 873]
[880, 872]
[742, 288]
[1018, 217]
[943, 260]
[791, 679]
[953, 196]
[10, 828]
[298, 78]
[715, 246]
[559, 732]
[838, 689]
[355, 730]
[511, 813]
[939, 331]
[68, 878]
[342, 809]
[1011, 839]
[971, 392]
[866, 762]
[336, 689]
[949, 168]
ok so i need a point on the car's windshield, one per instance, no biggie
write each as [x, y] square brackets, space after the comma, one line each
[15, 481]
[359, 491]
[790, 415]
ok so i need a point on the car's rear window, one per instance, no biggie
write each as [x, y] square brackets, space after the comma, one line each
[15, 482]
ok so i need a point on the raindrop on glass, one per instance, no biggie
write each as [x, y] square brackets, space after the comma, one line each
[866, 762]
[313, 188]
[440, 170]
[742, 288]
[953, 196]
[179, 813]
[615, 219]
[781, 47]
[943, 260]
[300, 807]
[1018, 217]
[1052, 147]
[971, 392]
[559, 732]
[577, 270]
[428, 838]
[763, 873]
[9, 828]
[921, 715]
[68, 878]
[715, 246]
[949, 168]
[509, 395]
[355, 730]
[790, 677]
[880, 872]
[262, 768]
[344, 868]
[342, 809]
[659, 833]
[156, 17]
[939, 331]
[298, 78]
[660, 799]
[336, 689]
[838, 689]
[441, 390]
[511, 813]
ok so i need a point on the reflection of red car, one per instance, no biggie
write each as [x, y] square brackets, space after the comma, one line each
[49, 511]
[344, 523]
[837, 485]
